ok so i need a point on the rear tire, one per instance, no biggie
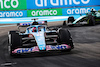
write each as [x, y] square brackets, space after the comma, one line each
[14, 41]
[71, 19]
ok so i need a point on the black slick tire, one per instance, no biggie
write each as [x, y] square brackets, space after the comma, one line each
[14, 41]
[91, 20]
[64, 37]
[71, 19]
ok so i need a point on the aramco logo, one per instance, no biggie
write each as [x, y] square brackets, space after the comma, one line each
[9, 3]
[41, 3]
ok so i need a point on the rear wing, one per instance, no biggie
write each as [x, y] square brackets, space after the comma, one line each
[30, 23]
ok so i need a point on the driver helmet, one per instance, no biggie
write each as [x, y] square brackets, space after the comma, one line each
[93, 10]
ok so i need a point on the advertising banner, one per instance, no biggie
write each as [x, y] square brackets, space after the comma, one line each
[13, 4]
[44, 12]
[12, 14]
[78, 10]
[40, 4]
[44, 4]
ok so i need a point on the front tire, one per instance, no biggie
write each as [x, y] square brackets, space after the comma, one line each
[14, 41]
[64, 37]
[91, 20]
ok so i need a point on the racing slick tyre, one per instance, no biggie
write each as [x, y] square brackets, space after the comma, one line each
[64, 37]
[91, 20]
[71, 19]
[14, 41]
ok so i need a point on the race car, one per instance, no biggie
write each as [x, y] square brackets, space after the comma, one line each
[38, 38]
[90, 18]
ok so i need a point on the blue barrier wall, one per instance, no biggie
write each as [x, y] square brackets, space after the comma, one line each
[78, 10]
[63, 12]
[40, 4]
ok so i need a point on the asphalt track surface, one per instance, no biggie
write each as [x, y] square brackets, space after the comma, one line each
[85, 54]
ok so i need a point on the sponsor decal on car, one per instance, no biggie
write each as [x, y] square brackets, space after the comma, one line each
[36, 49]
[26, 50]
[58, 47]
[23, 24]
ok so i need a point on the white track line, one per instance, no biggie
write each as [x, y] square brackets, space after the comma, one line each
[7, 25]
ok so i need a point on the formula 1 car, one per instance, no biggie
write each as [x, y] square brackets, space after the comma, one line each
[90, 18]
[38, 38]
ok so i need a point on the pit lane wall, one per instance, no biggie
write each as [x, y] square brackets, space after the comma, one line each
[34, 8]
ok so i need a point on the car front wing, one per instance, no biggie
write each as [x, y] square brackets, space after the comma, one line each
[36, 49]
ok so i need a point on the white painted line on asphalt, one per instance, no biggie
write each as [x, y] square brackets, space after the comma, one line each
[21, 20]
[8, 64]
[7, 25]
